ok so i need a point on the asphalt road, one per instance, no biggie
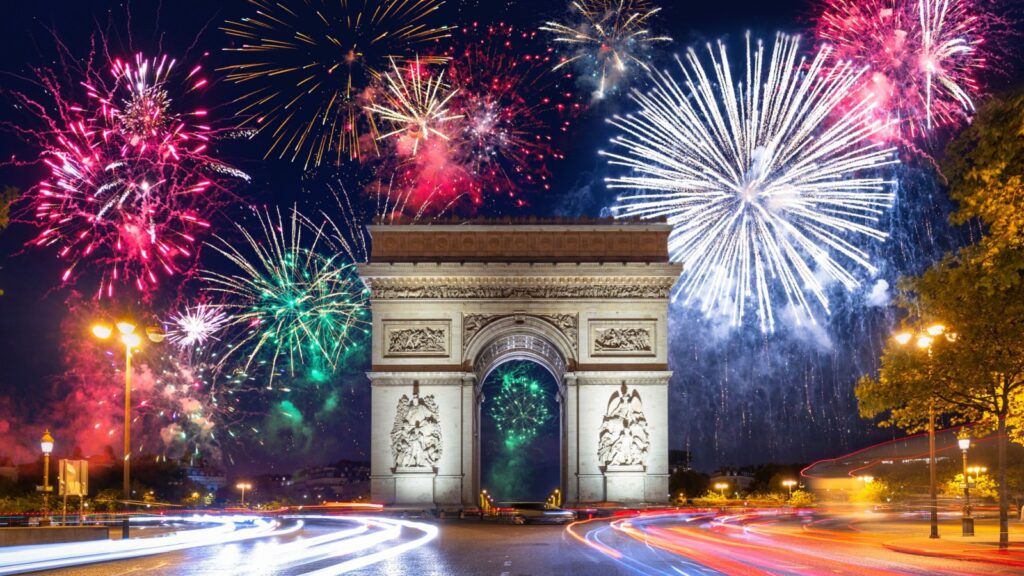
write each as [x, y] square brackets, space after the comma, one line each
[672, 545]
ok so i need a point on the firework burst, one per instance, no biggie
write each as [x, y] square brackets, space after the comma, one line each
[131, 180]
[925, 56]
[293, 296]
[195, 325]
[765, 182]
[519, 409]
[512, 105]
[416, 104]
[310, 67]
[607, 41]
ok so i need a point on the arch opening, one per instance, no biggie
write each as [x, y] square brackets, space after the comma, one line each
[520, 432]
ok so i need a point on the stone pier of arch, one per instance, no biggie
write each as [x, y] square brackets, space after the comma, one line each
[587, 301]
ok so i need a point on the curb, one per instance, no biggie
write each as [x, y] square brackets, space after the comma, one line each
[954, 556]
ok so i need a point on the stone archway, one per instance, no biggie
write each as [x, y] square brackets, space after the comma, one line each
[587, 301]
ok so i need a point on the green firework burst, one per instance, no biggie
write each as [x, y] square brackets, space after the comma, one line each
[519, 409]
[293, 298]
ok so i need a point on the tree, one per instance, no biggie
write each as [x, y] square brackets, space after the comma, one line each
[689, 483]
[879, 491]
[7, 197]
[976, 375]
[801, 499]
[982, 487]
[978, 293]
[985, 169]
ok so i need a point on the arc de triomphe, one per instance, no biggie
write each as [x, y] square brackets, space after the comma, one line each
[587, 301]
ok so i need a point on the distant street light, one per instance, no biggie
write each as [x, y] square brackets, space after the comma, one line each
[789, 484]
[721, 486]
[924, 341]
[46, 445]
[243, 486]
[130, 340]
[968, 520]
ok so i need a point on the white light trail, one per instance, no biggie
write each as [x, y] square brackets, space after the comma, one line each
[50, 556]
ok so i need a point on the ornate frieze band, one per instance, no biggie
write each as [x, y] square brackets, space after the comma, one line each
[525, 288]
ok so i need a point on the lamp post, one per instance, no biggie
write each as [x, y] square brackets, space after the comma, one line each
[924, 340]
[243, 486]
[46, 445]
[968, 520]
[789, 484]
[721, 486]
[131, 340]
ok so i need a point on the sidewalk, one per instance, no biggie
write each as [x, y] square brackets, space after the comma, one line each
[983, 547]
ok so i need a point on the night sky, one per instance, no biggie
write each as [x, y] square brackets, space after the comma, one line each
[738, 397]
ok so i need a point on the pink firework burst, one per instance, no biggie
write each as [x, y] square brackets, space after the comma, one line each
[512, 106]
[131, 180]
[924, 56]
[508, 110]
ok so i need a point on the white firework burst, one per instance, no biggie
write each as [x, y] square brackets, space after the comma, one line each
[769, 179]
[196, 325]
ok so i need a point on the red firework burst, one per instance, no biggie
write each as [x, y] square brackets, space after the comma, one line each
[924, 56]
[508, 108]
[131, 180]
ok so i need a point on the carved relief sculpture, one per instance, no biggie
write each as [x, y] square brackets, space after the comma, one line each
[416, 435]
[624, 439]
[423, 339]
[623, 340]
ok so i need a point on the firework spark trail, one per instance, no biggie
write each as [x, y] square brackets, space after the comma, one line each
[609, 41]
[310, 68]
[131, 181]
[416, 103]
[925, 56]
[290, 296]
[764, 183]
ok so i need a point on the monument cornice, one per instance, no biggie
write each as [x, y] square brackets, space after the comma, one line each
[521, 242]
[518, 287]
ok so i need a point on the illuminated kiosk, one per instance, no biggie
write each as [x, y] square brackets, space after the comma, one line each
[588, 301]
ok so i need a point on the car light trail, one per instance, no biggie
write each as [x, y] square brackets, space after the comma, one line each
[50, 556]
[757, 542]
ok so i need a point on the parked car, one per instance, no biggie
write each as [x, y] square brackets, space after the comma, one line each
[536, 513]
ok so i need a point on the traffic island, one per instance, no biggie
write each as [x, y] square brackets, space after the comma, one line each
[30, 536]
[960, 548]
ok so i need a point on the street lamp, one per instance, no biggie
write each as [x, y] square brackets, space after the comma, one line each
[131, 340]
[46, 445]
[243, 486]
[923, 340]
[789, 484]
[721, 486]
[967, 521]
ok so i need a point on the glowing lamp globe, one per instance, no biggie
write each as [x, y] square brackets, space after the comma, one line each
[964, 443]
[46, 444]
[903, 337]
[102, 331]
[155, 334]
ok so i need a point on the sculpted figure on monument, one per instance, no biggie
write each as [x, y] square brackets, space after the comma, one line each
[623, 340]
[624, 439]
[416, 435]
